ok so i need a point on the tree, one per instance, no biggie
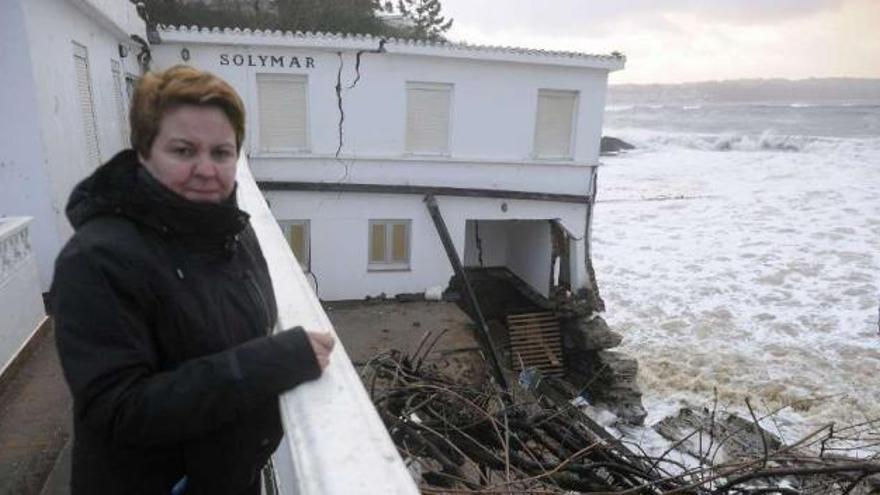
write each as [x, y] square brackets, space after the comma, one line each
[343, 16]
[334, 16]
[425, 17]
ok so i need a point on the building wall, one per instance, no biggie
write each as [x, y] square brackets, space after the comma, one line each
[24, 184]
[488, 237]
[46, 94]
[493, 103]
[528, 253]
[339, 237]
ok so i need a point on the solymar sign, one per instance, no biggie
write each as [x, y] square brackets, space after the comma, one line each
[251, 60]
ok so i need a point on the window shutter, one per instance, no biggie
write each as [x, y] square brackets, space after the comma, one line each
[399, 243]
[553, 126]
[427, 117]
[119, 96]
[298, 241]
[377, 243]
[297, 234]
[282, 112]
[86, 103]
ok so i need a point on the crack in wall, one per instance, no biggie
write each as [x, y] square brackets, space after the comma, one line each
[339, 101]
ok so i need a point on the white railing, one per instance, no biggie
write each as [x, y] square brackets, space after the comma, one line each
[334, 441]
[21, 307]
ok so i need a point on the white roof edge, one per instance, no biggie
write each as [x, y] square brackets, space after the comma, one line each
[341, 41]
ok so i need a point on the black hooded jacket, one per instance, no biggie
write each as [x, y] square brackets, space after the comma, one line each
[163, 313]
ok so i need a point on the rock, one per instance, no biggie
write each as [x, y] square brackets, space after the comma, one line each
[596, 335]
[410, 297]
[614, 145]
[619, 365]
[725, 437]
[610, 379]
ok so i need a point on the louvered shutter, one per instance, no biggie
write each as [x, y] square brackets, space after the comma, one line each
[377, 242]
[297, 234]
[120, 100]
[427, 117]
[282, 112]
[399, 242]
[554, 123]
[86, 103]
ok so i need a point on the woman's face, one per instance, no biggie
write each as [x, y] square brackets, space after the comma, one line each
[194, 153]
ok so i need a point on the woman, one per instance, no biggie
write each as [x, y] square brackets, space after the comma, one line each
[164, 308]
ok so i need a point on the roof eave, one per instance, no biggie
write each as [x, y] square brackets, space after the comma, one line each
[354, 42]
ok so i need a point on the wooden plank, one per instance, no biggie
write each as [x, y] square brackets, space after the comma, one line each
[538, 362]
[537, 358]
[553, 322]
[515, 324]
[535, 351]
[537, 345]
[538, 337]
[528, 315]
[534, 328]
[543, 368]
[526, 321]
[532, 323]
[535, 337]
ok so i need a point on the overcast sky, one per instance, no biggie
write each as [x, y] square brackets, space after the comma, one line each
[688, 40]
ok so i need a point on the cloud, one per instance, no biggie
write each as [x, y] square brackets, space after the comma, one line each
[597, 17]
[688, 40]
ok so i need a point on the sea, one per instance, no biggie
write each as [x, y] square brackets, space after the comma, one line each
[737, 249]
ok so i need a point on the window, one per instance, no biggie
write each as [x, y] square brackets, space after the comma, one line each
[281, 100]
[86, 103]
[554, 123]
[427, 117]
[120, 100]
[297, 234]
[130, 84]
[389, 244]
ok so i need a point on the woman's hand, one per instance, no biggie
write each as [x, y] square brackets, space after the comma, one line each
[322, 344]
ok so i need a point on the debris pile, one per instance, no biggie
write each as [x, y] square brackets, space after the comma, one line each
[460, 438]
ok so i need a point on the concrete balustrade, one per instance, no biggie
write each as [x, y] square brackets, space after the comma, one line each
[21, 304]
[335, 442]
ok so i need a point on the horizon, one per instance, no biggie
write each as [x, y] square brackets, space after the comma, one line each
[750, 79]
[682, 42]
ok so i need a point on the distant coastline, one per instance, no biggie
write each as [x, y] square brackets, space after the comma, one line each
[803, 91]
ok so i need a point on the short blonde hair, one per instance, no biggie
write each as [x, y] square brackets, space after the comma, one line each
[158, 92]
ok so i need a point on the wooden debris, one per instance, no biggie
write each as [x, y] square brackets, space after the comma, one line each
[460, 438]
[535, 342]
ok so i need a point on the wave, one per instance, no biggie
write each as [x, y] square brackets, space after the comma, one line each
[766, 141]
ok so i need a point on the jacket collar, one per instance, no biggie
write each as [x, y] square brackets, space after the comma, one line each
[122, 186]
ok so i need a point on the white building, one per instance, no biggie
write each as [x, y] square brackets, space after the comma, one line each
[66, 67]
[347, 135]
